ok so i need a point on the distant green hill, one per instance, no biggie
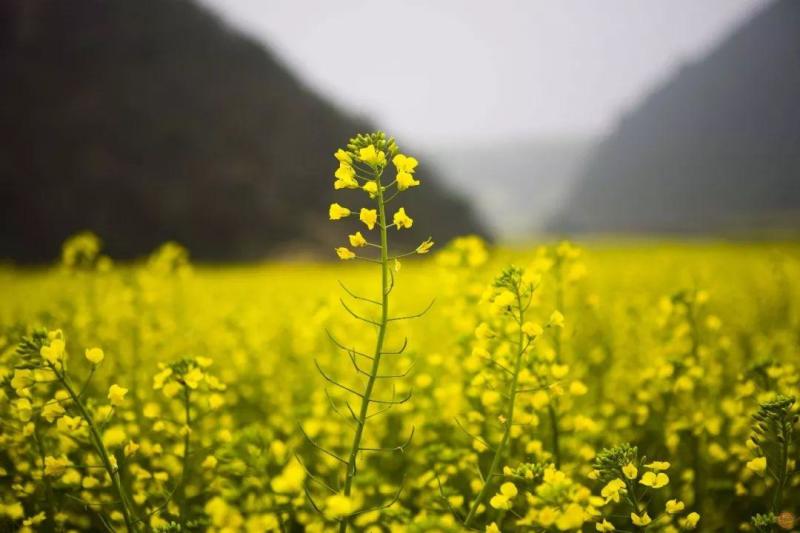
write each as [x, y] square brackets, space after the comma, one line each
[715, 150]
[150, 120]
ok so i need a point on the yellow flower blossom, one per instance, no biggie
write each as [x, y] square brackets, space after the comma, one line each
[406, 181]
[402, 220]
[605, 525]
[372, 188]
[368, 217]
[337, 212]
[54, 352]
[658, 466]
[343, 157]
[758, 465]
[357, 240]
[116, 394]
[55, 466]
[674, 506]
[345, 177]
[630, 471]
[612, 490]
[339, 505]
[640, 520]
[94, 355]
[557, 319]
[532, 329]
[372, 157]
[654, 480]
[404, 163]
[425, 246]
[344, 253]
[690, 521]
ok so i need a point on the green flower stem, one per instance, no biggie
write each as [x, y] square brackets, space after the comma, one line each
[185, 458]
[101, 451]
[512, 393]
[365, 400]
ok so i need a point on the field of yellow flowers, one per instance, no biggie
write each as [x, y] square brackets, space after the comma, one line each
[610, 387]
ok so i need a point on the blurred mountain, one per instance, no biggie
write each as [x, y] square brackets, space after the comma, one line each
[517, 186]
[150, 120]
[716, 149]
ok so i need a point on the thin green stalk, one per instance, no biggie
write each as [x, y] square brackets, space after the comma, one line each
[777, 498]
[365, 400]
[500, 450]
[101, 451]
[185, 458]
[50, 512]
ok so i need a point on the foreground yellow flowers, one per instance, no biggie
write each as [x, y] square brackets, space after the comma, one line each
[136, 396]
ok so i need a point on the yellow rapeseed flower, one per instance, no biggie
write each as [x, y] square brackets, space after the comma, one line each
[116, 394]
[94, 355]
[401, 219]
[368, 217]
[653, 480]
[640, 520]
[344, 253]
[425, 247]
[357, 240]
[372, 157]
[337, 212]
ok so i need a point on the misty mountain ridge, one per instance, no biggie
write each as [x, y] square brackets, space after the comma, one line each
[152, 120]
[715, 149]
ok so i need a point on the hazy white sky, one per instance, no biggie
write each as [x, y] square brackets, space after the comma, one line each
[446, 70]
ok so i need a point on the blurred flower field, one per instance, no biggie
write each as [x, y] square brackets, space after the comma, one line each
[649, 372]
[645, 387]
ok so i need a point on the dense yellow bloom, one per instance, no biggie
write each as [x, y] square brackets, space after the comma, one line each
[372, 157]
[357, 240]
[674, 506]
[52, 410]
[94, 355]
[401, 219]
[653, 480]
[492, 528]
[630, 471]
[368, 217]
[116, 394]
[337, 212]
[344, 253]
[55, 466]
[758, 465]
[640, 520]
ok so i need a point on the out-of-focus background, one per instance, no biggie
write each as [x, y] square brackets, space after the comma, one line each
[213, 123]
